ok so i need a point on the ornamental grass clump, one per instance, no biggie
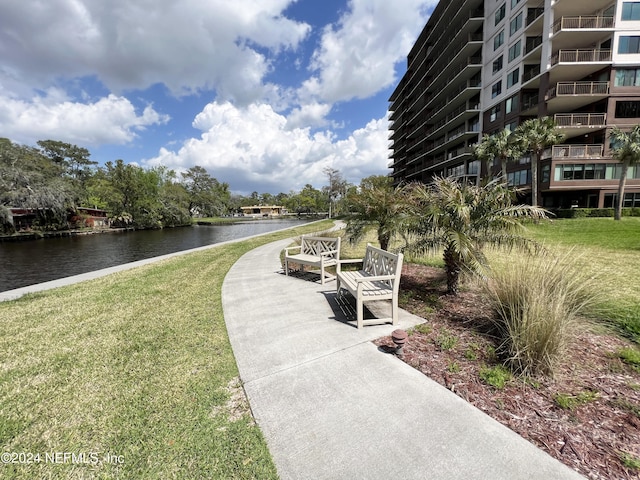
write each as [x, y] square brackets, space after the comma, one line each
[538, 302]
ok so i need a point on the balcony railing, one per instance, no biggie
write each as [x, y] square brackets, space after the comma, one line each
[581, 55]
[578, 151]
[578, 88]
[583, 21]
[580, 119]
[530, 73]
[531, 44]
[533, 14]
[530, 102]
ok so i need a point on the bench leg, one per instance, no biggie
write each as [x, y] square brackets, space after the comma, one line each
[286, 267]
[394, 309]
[360, 313]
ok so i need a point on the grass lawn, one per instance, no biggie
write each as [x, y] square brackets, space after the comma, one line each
[136, 366]
[610, 251]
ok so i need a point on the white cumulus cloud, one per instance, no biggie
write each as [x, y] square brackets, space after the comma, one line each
[253, 147]
[356, 58]
[188, 46]
[110, 120]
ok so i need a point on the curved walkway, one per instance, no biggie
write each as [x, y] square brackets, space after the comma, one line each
[332, 406]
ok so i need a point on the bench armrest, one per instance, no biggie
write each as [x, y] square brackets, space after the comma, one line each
[286, 250]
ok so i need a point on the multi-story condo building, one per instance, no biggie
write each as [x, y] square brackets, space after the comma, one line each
[481, 66]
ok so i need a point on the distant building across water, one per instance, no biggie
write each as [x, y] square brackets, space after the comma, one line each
[264, 211]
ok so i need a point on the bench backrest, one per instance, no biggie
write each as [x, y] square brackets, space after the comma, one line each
[318, 245]
[380, 262]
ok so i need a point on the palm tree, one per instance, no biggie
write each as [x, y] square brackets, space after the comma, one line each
[535, 136]
[376, 204]
[501, 145]
[626, 151]
[461, 219]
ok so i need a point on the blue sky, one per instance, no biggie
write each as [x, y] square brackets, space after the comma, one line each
[264, 94]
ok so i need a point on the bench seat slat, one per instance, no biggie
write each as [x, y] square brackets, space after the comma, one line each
[379, 279]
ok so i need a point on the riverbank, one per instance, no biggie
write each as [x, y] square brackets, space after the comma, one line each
[135, 367]
[33, 262]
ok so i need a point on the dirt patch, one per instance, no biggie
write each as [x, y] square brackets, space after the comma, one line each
[599, 425]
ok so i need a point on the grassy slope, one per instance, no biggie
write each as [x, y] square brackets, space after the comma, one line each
[137, 364]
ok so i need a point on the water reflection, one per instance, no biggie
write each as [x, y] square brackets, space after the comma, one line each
[37, 261]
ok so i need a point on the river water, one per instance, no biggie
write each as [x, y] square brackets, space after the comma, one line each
[36, 261]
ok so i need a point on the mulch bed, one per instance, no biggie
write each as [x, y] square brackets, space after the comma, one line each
[591, 438]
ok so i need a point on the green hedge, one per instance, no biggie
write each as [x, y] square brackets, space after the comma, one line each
[593, 212]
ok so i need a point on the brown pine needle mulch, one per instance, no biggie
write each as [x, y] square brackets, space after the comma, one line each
[596, 432]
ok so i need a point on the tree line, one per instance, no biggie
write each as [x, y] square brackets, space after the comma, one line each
[54, 179]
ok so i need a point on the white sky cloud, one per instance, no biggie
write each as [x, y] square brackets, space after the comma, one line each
[79, 71]
[255, 145]
[111, 119]
[187, 45]
[356, 57]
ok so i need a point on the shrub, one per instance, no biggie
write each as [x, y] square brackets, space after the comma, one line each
[497, 376]
[593, 212]
[537, 303]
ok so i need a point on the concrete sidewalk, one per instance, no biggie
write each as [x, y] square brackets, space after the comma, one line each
[332, 406]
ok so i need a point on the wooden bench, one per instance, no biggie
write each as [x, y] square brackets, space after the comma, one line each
[314, 251]
[379, 279]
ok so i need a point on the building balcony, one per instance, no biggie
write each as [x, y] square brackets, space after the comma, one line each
[577, 63]
[459, 79]
[578, 88]
[573, 124]
[463, 93]
[567, 96]
[573, 8]
[560, 152]
[529, 104]
[581, 30]
[532, 47]
[580, 22]
[534, 23]
[582, 55]
[530, 76]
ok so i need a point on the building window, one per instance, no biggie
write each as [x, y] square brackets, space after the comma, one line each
[497, 64]
[456, 171]
[628, 77]
[580, 171]
[494, 113]
[513, 78]
[521, 177]
[498, 40]
[515, 50]
[496, 89]
[500, 13]
[511, 126]
[515, 24]
[630, 11]
[546, 173]
[630, 200]
[473, 168]
[512, 104]
[629, 45]
[514, 3]
[627, 109]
